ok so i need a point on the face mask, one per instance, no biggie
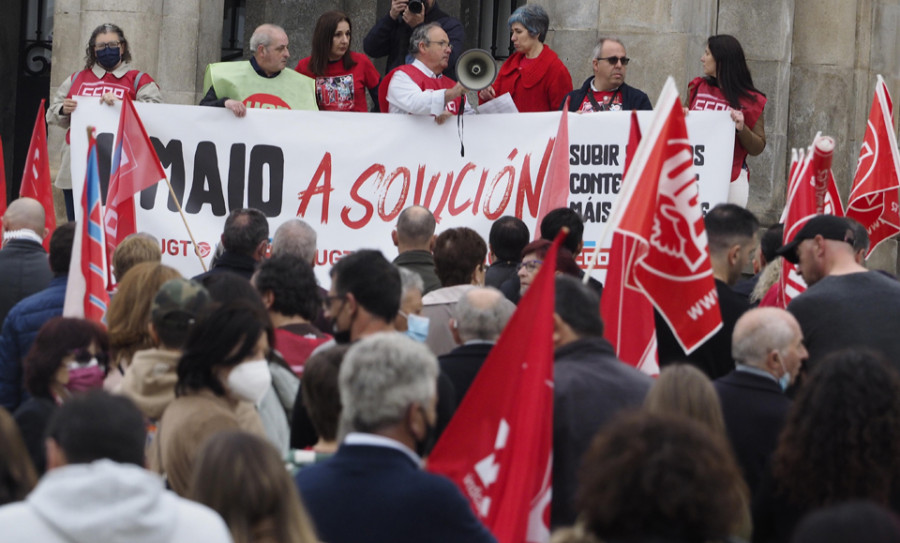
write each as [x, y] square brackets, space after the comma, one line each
[785, 380]
[416, 327]
[341, 337]
[250, 380]
[424, 445]
[85, 378]
[109, 57]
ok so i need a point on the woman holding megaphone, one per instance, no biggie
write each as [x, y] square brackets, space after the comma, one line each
[534, 75]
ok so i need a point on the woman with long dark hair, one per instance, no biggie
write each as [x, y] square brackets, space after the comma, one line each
[224, 364]
[727, 85]
[342, 76]
[841, 442]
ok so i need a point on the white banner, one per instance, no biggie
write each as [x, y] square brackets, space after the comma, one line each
[350, 174]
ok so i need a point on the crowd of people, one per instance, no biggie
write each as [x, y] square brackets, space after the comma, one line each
[251, 404]
[200, 392]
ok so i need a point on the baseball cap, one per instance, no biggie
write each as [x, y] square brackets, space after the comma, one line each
[827, 226]
[180, 301]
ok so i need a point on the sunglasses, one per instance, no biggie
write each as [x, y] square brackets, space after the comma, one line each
[83, 356]
[615, 60]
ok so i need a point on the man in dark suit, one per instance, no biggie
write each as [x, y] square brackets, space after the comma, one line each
[768, 347]
[590, 386]
[374, 489]
[23, 260]
[479, 318]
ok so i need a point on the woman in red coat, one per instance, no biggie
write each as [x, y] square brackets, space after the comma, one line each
[728, 86]
[342, 76]
[534, 76]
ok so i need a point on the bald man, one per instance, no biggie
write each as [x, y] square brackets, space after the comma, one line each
[23, 260]
[414, 239]
[767, 345]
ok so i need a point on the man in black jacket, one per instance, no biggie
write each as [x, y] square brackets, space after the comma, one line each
[606, 90]
[23, 260]
[591, 385]
[390, 35]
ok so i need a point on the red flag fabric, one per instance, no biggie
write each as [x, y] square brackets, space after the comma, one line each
[498, 445]
[659, 207]
[135, 167]
[86, 295]
[809, 194]
[626, 311]
[36, 175]
[2, 182]
[874, 195]
[555, 193]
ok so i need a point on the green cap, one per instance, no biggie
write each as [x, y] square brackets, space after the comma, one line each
[180, 301]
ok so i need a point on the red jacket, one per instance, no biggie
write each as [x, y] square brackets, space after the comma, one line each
[540, 86]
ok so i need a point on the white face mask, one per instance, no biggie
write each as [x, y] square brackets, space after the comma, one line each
[250, 380]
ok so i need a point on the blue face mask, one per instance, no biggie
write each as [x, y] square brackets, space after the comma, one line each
[417, 327]
[109, 57]
[785, 380]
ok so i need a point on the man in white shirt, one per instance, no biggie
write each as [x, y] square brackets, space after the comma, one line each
[419, 88]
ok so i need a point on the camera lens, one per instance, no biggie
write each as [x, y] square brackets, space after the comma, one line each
[415, 6]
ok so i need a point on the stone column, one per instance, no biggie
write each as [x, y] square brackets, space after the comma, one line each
[765, 30]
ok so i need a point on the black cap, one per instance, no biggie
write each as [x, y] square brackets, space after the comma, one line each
[827, 226]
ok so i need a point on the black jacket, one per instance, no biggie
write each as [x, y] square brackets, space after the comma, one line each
[390, 38]
[632, 98]
[25, 271]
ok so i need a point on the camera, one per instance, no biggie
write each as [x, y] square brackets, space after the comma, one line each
[416, 6]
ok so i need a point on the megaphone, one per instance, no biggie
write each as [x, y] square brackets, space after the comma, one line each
[476, 69]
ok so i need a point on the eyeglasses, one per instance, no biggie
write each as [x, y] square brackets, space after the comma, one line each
[615, 60]
[442, 44]
[531, 266]
[107, 45]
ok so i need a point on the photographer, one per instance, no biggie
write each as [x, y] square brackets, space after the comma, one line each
[390, 35]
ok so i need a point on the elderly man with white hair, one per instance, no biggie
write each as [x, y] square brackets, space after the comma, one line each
[374, 488]
[767, 345]
[479, 318]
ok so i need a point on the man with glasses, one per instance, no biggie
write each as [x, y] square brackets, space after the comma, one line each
[419, 88]
[607, 90]
[262, 82]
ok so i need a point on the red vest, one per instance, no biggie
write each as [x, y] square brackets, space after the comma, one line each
[422, 80]
[85, 83]
[704, 96]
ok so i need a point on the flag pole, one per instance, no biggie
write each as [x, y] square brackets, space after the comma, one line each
[184, 219]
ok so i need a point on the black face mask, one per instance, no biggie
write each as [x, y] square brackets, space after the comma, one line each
[341, 337]
[109, 57]
[424, 445]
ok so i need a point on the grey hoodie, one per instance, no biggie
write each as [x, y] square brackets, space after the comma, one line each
[107, 502]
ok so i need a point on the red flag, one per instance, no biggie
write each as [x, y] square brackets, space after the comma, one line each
[874, 197]
[809, 194]
[659, 207]
[36, 176]
[86, 295]
[2, 182]
[498, 446]
[556, 189]
[626, 311]
[135, 167]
